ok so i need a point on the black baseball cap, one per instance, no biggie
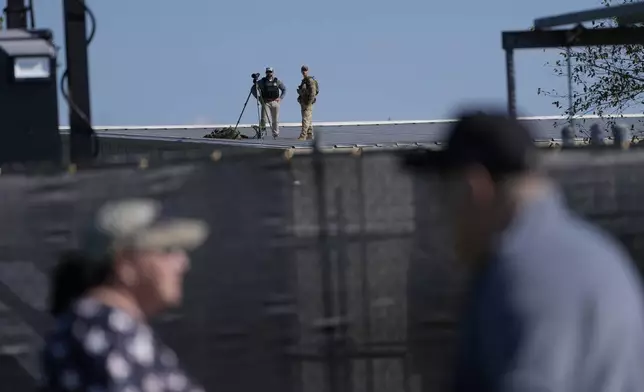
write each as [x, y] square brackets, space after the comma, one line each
[495, 141]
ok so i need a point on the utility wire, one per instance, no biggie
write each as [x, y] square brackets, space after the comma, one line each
[32, 17]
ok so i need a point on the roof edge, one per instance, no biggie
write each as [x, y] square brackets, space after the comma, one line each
[332, 124]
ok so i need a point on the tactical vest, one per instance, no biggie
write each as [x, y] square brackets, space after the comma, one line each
[308, 83]
[270, 89]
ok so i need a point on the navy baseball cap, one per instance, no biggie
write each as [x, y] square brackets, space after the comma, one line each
[500, 144]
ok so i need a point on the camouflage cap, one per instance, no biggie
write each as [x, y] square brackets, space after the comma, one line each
[136, 224]
[305, 68]
[269, 69]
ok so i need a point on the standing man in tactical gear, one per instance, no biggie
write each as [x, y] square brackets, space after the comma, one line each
[272, 91]
[307, 92]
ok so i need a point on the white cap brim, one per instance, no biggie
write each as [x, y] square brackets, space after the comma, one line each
[186, 234]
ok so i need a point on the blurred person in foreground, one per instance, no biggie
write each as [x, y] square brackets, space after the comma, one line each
[130, 268]
[556, 304]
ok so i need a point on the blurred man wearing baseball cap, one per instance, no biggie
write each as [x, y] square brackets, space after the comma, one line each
[130, 267]
[556, 304]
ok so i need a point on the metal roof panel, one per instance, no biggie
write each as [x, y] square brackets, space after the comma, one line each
[363, 133]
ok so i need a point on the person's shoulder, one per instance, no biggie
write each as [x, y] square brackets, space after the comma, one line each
[550, 238]
[91, 315]
[83, 331]
[597, 249]
[607, 259]
[571, 262]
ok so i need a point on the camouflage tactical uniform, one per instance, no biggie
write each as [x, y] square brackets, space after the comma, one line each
[306, 97]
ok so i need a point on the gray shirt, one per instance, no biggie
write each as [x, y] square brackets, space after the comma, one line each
[559, 309]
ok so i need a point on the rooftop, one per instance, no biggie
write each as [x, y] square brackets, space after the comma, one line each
[359, 134]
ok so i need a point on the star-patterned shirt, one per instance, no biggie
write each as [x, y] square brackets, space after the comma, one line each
[97, 348]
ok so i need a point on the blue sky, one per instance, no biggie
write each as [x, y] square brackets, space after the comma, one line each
[162, 62]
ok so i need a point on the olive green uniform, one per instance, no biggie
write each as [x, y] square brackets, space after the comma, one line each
[306, 97]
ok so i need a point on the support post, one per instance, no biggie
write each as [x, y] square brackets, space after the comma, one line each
[511, 83]
[16, 14]
[81, 138]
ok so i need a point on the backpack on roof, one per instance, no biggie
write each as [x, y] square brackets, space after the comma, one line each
[317, 86]
[224, 133]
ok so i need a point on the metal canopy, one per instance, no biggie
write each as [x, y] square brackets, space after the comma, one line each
[542, 37]
[632, 13]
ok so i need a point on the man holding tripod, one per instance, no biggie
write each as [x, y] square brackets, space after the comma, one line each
[271, 92]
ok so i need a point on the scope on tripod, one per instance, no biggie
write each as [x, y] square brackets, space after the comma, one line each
[258, 91]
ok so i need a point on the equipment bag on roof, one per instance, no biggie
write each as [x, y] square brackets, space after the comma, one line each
[224, 133]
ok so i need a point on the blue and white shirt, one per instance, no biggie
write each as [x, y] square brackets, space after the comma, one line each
[97, 348]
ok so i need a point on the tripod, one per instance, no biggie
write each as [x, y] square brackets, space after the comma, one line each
[259, 132]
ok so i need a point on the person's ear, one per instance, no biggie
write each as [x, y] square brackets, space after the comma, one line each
[481, 185]
[124, 271]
